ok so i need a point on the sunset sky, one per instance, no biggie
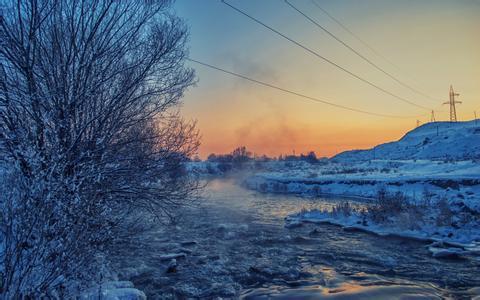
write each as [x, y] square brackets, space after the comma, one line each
[431, 43]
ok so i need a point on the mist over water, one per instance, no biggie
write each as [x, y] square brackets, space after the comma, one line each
[235, 245]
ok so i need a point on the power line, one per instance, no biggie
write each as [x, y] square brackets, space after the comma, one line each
[370, 48]
[296, 93]
[354, 51]
[353, 34]
[324, 58]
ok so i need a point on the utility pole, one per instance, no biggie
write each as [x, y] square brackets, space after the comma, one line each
[432, 118]
[452, 102]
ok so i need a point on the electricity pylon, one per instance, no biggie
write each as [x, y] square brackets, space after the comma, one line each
[452, 102]
[432, 117]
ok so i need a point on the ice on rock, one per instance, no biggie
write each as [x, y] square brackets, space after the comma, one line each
[188, 243]
[114, 290]
[446, 252]
[172, 266]
[124, 294]
[170, 256]
[117, 285]
[293, 224]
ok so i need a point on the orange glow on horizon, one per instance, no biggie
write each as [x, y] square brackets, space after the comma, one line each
[295, 141]
[433, 44]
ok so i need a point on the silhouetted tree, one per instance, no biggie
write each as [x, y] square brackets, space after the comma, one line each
[241, 155]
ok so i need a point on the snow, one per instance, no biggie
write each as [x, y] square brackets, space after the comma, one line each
[124, 294]
[446, 252]
[426, 167]
[457, 181]
[435, 140]
[114, 290]
[446, 241]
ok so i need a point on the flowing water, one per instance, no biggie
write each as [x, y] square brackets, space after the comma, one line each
[235, 245]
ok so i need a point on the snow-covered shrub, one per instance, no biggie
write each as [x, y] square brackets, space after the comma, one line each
[412, 217]
[427, 196]
[224, 167]
[316, 190]
[90, 136]
[395, 207]
[279, 187]
[363, 213]
[387, 205]
[263, 187]
[210, 169]
[445, 214]
[343, 208]
[304, 210]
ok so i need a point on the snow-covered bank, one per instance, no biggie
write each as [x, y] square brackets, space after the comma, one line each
[442, 158]
[431, 200]
[446, 241]
[416, 179]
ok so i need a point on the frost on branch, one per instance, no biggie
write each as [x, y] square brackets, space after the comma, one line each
[92, 146]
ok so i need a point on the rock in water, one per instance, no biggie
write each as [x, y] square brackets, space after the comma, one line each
[172, 266]
[293, 224]
[170, 256]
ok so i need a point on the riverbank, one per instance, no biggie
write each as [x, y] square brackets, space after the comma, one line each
[432, 200]
[445, 241]
[416, 179]
[458, 181]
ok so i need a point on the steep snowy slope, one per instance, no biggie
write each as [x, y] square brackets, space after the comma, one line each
[436, 140]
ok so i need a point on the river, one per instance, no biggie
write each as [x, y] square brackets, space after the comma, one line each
[234, 245]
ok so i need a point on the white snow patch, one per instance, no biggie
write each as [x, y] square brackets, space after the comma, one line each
[113, 290]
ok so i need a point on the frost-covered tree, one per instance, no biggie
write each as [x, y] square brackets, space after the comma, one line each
[91, 143]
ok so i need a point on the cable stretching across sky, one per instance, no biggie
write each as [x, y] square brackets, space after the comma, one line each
[355, 51]
[367, 46]
[314, 99]
[326, 59]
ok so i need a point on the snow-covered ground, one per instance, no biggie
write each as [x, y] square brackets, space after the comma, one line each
[433, 164]
[457, 181]
[447, 241]
[435, 140]
[113, 290]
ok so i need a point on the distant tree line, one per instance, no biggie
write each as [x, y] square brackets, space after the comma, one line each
[310, 157]
[239, 156]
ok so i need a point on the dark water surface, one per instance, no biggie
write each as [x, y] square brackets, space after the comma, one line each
[235, 245]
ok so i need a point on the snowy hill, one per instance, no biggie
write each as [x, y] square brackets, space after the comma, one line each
[436, 140]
